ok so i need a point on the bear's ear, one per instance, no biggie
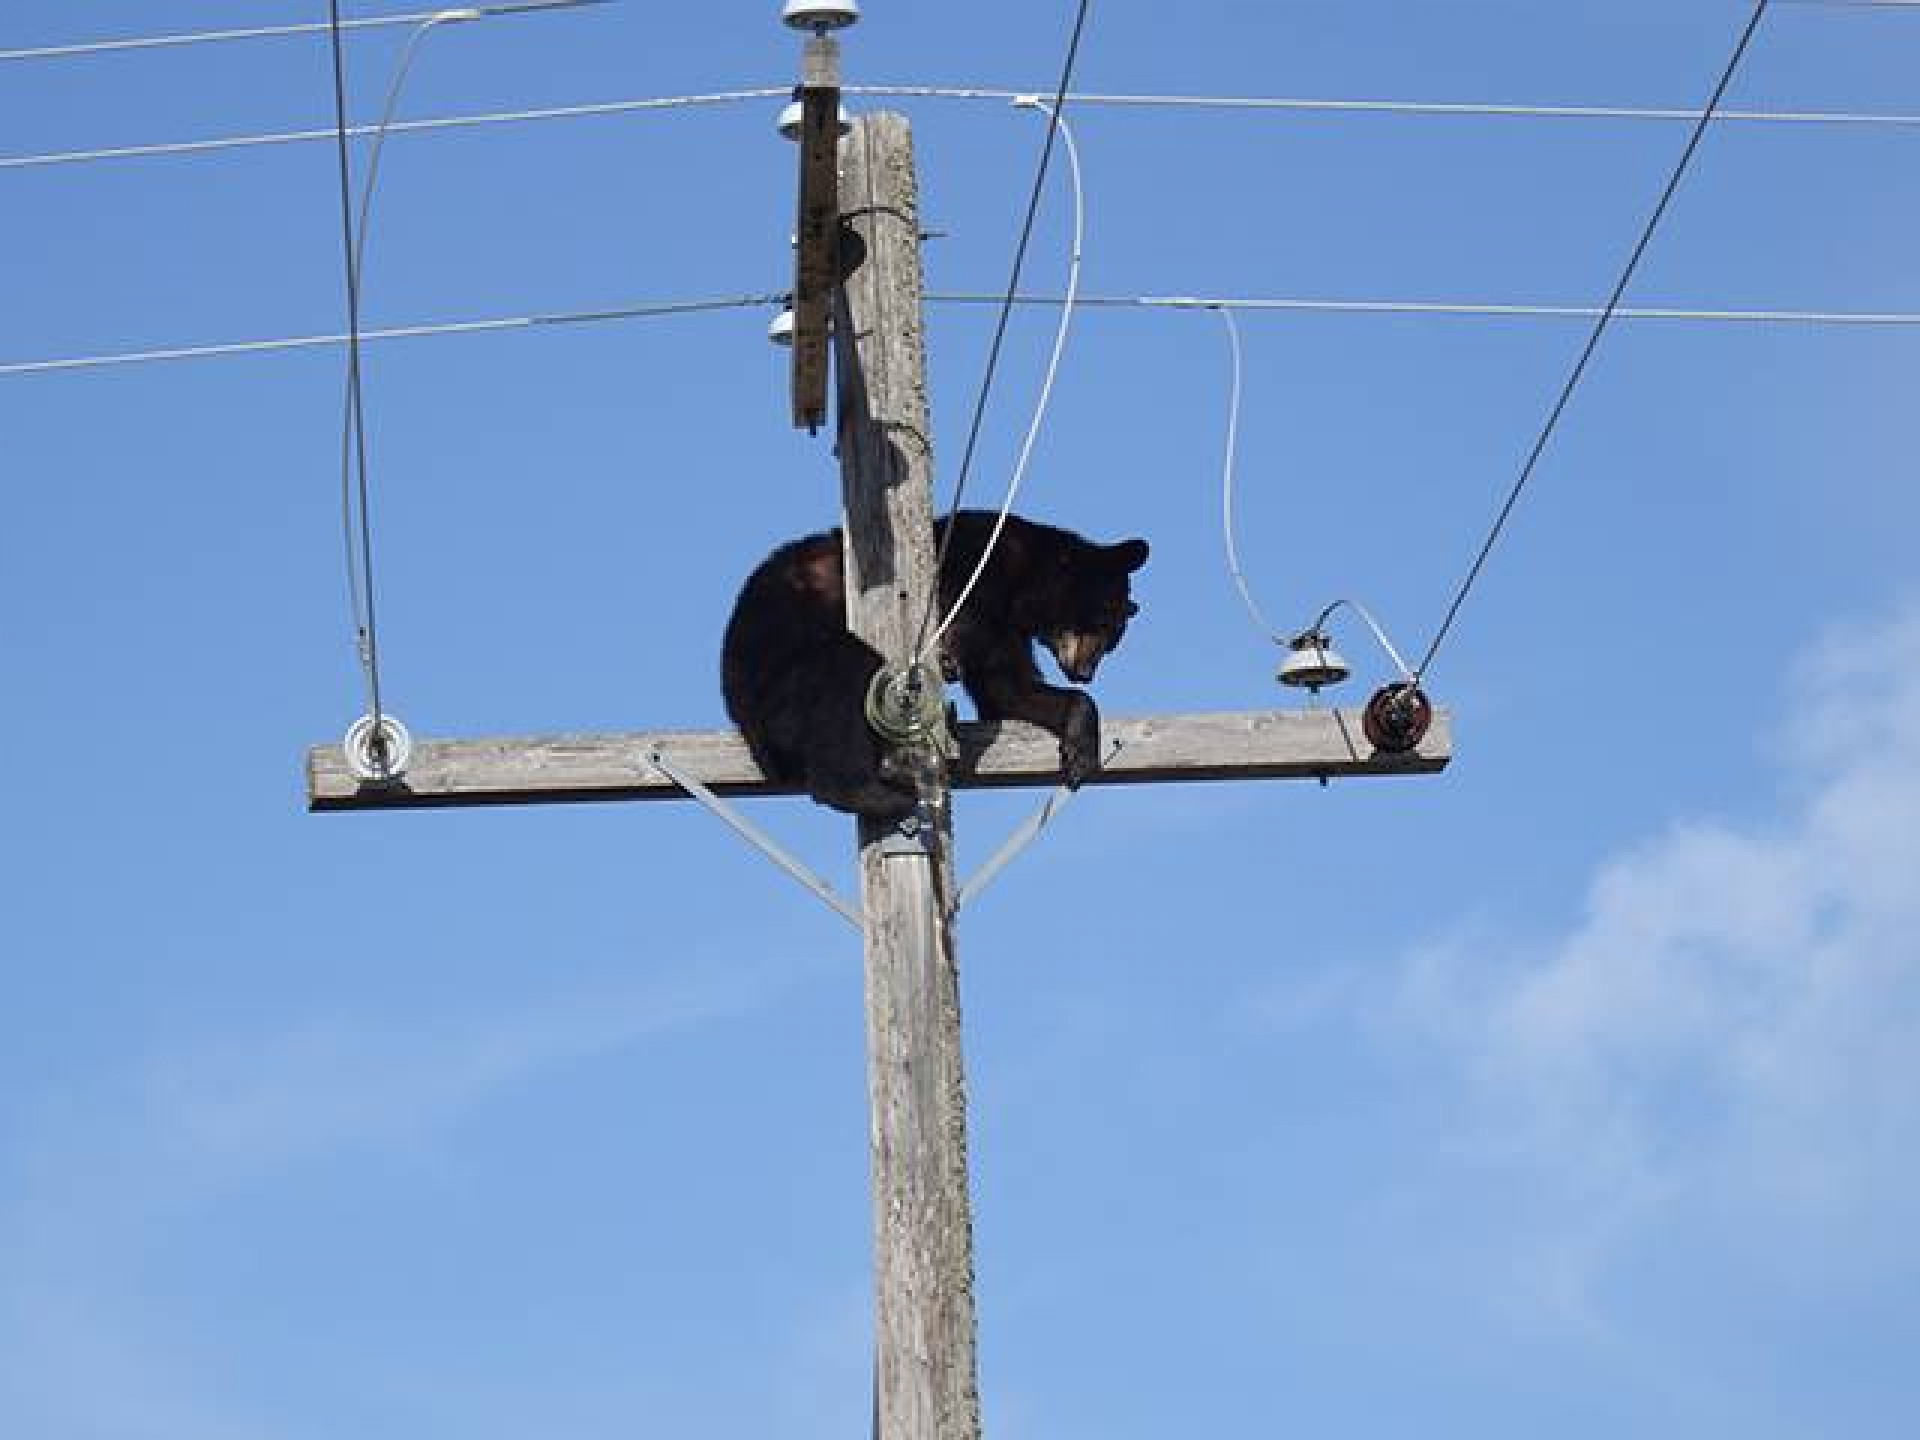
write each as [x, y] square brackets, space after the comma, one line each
[1128, 556]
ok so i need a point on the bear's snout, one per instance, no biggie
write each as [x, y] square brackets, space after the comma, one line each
[1079, 654]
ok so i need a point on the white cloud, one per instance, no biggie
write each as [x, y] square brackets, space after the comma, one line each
[1728, 1039]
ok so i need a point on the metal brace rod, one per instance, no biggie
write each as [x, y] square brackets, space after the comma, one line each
[1028, 832]
[754, 836]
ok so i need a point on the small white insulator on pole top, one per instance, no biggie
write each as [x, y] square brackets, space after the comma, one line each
[795, 112]
[819, 16]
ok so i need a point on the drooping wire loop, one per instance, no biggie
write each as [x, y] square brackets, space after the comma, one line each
[1055, 127]
[376, 746]
[930, 640]
[1311, 662]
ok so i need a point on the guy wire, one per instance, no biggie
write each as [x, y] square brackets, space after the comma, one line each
[1593, 340]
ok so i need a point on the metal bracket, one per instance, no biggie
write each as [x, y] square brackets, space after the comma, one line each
[755, 836]
[1028, 832]
[911, 838]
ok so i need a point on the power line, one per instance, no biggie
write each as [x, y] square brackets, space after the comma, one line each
[401, 332]
[1283, 104]
[207, 37]
[450, 122]
[374, 22]
[1000, 331]
[1424, 108]
[1059, 121]
[272, 32]
[1593, 342]
[1229, 466]
[1484, 310]
[1435, 309]
[353, 445]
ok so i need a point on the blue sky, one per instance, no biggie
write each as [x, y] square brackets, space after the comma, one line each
[1576, 1091]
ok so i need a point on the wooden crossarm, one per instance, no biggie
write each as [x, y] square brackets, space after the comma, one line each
[1256, 745]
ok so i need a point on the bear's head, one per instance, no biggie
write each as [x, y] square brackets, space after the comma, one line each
[1084, 606]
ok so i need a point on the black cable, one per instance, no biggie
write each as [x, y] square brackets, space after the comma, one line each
[360, 586]
[1006, 313]
[1593, 341]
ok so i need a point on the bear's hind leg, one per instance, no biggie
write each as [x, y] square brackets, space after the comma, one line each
[847, 765]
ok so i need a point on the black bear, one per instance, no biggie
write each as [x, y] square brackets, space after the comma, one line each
[795, 681]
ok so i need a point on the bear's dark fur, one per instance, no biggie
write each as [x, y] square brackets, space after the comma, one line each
[795, 680]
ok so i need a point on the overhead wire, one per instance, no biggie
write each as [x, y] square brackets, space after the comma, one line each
[373, 22]
[1038, 189]
[1593, 341]
[1418, 309]
[1420, 108]
[397, 332]
[356, 518]
[353, 444]
[1441, 308]
[1303, 105]
[1040, 407]
[399, 127]
[1228, 468]
[267, 32]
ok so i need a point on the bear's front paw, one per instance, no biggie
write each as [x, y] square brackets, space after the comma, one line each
[1080, 742]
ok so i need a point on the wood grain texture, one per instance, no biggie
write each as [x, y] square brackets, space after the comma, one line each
[558, 769]
[925, 1372]
[816, 229]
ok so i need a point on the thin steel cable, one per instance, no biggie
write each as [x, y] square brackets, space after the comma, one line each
[449, 122]
[360, 561]
[1420, 309]
[354, 437]
[1234, 568]
[359, 557]
[206, 37]
[1046, 392]
[1439, 308]
[398, 332]
[1379, 633]
[1006, 312]
[353, 442]
[1414, 108]
[1426, 109]
[1593, 341]
[270, 32]
[371, 22]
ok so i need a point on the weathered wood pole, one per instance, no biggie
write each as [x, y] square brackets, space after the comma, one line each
[926, 1385]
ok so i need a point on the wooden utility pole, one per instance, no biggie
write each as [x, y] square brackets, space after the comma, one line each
[926, 1386]
[923, 1232]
